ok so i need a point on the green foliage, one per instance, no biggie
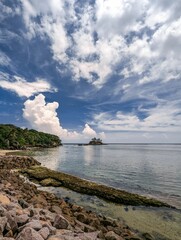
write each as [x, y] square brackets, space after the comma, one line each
[12, 137]
[96, 141]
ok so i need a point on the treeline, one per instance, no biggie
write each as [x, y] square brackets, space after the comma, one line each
[12, 137]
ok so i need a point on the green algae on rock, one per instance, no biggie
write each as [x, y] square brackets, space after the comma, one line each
[48, 177]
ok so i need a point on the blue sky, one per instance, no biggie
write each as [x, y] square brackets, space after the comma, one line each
[103, 68]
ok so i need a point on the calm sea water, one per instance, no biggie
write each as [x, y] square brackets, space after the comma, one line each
[153, 170]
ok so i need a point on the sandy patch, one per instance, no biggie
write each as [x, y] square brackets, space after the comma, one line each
[3, 152]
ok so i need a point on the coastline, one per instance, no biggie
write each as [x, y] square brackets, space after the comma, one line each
[47, 177]
[27, 210]
[82, 223]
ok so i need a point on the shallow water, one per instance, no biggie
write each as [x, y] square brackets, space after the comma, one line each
[162, 223]
[151, 170]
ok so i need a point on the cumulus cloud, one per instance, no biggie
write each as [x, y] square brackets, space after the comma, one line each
[89, 131]
[43, 116]
[24, 88]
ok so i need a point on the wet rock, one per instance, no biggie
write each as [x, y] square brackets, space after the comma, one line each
[82, 218]
[29, 234]
[148, 236]
[106, 222]
[60, 222]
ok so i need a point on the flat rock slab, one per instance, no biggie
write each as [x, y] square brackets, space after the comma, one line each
[40, 174]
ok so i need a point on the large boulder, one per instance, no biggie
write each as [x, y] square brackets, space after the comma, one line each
[29, 234]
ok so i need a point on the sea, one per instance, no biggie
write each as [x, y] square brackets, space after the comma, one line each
[152, 170]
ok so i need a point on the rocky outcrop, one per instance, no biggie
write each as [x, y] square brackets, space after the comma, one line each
[47, 177]
[13, 162]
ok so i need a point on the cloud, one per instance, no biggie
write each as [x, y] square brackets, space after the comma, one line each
[23, 88]
[52, 17]
[140, 40]
[89, 131]
[43, 116]
[166, 117]
[4, 59]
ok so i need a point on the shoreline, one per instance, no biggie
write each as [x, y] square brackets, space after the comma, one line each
[78, 217]
[25, 211]
[46, 177]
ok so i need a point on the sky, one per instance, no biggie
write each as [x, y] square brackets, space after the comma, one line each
[97, 68]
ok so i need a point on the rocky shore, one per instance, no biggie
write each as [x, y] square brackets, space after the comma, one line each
[29, 214]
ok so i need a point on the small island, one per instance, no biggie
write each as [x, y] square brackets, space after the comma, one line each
[95, 141]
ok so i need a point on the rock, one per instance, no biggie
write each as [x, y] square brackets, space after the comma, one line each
[56, 209]
[88, 236]
[50, 182]
[23, 203]
[148, 236]
[56, 237]
[4, 199]
[44, 232]
[9, 234]
[84, 227]
[112, 236]
[35, 224]
[12, 222]
[3, 222]
[133, 238]
[29, 234]
[106, 222]
[51, 229]
[60, 222]
[22, 219]
[82, 218]
[2, 211]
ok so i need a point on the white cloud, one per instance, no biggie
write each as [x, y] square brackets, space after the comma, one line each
[23, 88]
[42, 116]
[89, 131]
[146, 56]
[4, 59]
[166, 117]
[53, 17]
[119, 17]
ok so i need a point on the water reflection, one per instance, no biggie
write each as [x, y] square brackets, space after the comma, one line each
[92, 154]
